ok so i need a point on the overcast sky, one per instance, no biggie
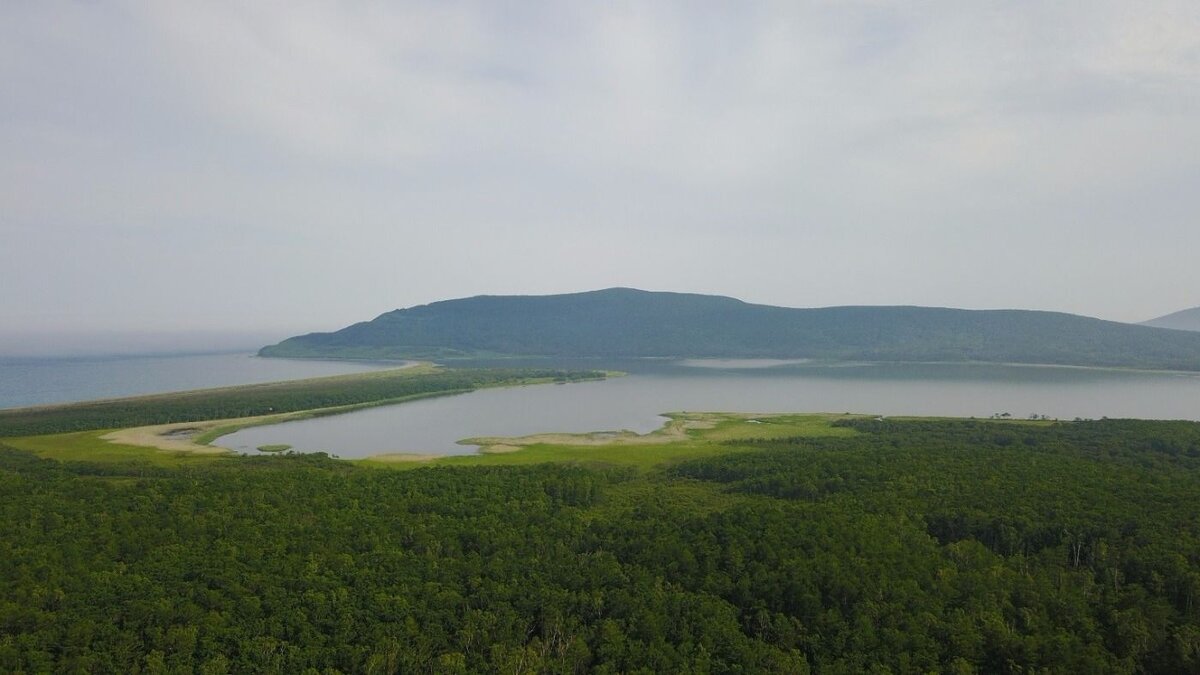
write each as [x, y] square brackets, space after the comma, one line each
[294, 166]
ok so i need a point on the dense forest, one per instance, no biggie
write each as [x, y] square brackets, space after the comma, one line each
[270, 398]
[623, 322]
[912, 546]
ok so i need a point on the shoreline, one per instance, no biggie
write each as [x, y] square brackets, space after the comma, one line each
[448, 362]
[198, 437]
[202, 437]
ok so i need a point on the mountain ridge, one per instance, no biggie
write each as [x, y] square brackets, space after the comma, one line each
[1184, 319]
[625, 322]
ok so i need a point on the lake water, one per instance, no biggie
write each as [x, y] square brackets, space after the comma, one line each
[635, 402]
[37, 381]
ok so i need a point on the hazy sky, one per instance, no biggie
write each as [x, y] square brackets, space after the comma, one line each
[298, 166]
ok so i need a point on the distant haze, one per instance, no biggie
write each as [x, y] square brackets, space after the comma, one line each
[230, 168]
[84, 342]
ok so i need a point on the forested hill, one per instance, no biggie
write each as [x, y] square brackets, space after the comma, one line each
[1188, 319]
[622, 322]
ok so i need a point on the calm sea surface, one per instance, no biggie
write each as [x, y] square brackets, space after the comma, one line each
[35, 381]
[635, 402]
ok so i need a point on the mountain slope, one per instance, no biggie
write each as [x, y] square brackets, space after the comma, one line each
[1188, 319]
[622, 322]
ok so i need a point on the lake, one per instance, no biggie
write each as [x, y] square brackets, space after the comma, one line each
[652, 387]
[42, 380]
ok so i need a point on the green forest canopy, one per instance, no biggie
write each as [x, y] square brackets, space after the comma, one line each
[909, 546]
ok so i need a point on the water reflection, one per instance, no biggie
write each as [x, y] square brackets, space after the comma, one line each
[657, 386]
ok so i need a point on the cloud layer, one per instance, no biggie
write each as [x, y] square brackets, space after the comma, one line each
[302, 165]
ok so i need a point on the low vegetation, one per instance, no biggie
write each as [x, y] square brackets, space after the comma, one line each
[790, 544]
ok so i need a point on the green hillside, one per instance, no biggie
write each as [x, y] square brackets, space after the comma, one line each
[622, 322]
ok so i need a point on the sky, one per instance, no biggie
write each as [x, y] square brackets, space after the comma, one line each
[219, 169]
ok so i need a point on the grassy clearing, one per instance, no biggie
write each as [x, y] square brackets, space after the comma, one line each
[89, 446]
[728, 427]
[641, 456]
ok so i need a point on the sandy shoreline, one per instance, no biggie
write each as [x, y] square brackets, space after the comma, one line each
[181, 436]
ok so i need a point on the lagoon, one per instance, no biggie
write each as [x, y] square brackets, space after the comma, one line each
[636, 401]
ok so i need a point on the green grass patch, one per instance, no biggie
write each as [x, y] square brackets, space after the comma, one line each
[274, 447]
[643, 457]
[737, 427]
[88, 446]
